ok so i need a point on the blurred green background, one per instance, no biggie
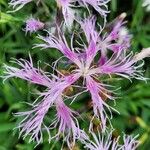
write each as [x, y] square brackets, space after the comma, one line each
[134, 101]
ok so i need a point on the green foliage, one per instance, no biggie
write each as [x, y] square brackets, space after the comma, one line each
[134, 101]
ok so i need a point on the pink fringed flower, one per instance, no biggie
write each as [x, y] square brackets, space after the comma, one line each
[118, 40]
[67, 6]
[103, 55]
[120, 34]
[33, 25]
[18, 4]
[90, 70]
[87, 72]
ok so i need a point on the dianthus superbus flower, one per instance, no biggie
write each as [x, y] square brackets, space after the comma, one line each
[122, 65]
[33, 25]
[87, 69]
[102, 56]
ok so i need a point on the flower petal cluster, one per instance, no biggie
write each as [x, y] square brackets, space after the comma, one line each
[33, 25]
[69, 14]
[99, 5]
[97, 54]
[33, 122]
[67, 11]
[67, 7]
[120, 63]
[105, 141]
[87, 68]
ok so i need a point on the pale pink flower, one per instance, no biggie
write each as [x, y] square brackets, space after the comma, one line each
[67, 7]
[121, 36]
[123, 65]
[33, 25]
[84, 70]
[117, 40]
[91, 62]
[87, 69]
